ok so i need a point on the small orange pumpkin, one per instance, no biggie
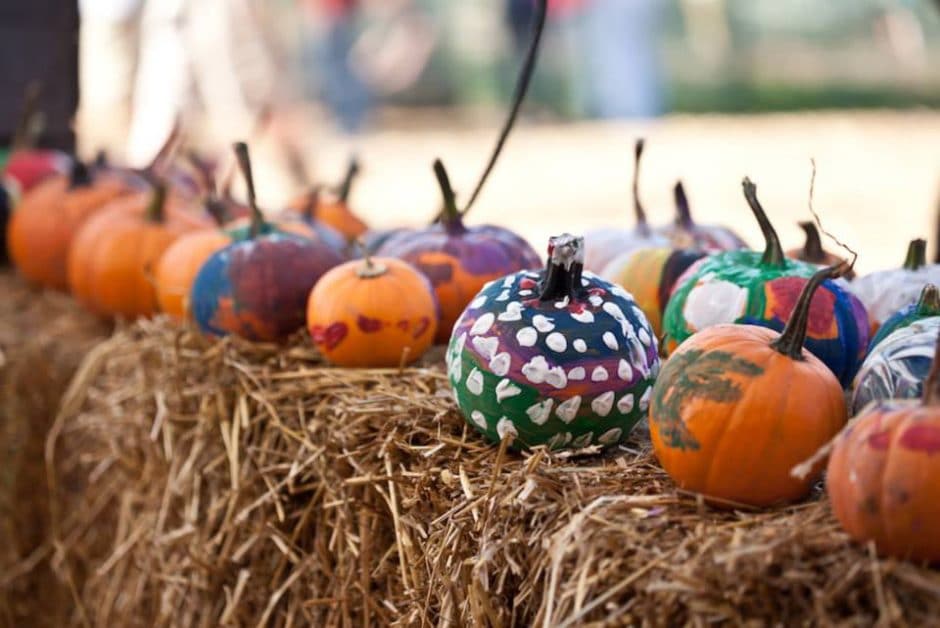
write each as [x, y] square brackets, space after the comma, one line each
[179, 265]
[884, 475]
[334, 212]
[114, 254]
[736, 407]
[373, 312]
[47, 218]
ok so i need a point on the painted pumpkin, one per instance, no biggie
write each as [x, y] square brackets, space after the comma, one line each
[335, 212]
[178, 266]
[113, 256]
[736, 407]
[762, 289]
[887, 291]
[884, 475]
[459, 260]
[555, 358]
[686, 233]
[357, 315]
[813, 251]
[927, 306]
[4, 219]
[47, 218]
[603, 245]
[257, 287]
[307, 216]
[898, 365]
[650, 276]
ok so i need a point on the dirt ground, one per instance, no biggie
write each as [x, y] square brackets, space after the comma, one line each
[878, 179]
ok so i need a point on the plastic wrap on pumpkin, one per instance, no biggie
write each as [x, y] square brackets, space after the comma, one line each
[357, 315]
[257, 287]
[887, 291]
[686, 233]
[458, 260]
[927, 306]
[897, 367]
[603, 245]
[883, 478]
[813, 251]
[555, 358]
[650, 276]
[736, 407]
[762, 289]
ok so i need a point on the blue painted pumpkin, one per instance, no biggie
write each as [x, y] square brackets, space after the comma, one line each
[555, 358]
[926, 306]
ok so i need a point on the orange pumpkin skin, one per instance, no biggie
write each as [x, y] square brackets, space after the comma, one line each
[358, 320]
[179, 265]
[884, 479]
[114, 255]
[46, 220]
[730, 416]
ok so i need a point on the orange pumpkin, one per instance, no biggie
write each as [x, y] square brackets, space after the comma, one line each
[373, 312]
[47, 218]
[334, 212]
[884, 475]
[114, 254]
[736, 407]
[179, 265]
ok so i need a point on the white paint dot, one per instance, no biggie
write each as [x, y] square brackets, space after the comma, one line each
[475, 382]
[614, 310]
[585, 283]
[596, 300]
[478, 302]
[479, 419]
[560, 305]
[625, 371]
[638, 313]
[482, 324]
[625, 405]
[506, 389]
[579, 345]
[582, 441]
[513, 312]
[543, 323]
[602, 404]
[560, 439]
[487, 346]
[506, 429]
[508, 281]
[556, 342]
[535, 369]
[611, 341]
[557, 378]
[503, 296]
[577, 374]
[527, 337]
[611, 436]
[599, 374]
[584, 316]
[645, 399]
[645, 337]
[540, 412]
[525, 293]
[567, 410]
[500, 363]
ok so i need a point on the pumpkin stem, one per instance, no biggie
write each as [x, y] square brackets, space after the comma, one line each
[30, 122]
[450, 215]
[244, 164]
[564, 268]
[932, 385]
[156, 209]
[929, 302]
[101, 159]
[352, 170]
[773, 252]
[641, 225]
[80, 175]
[916, 255]
[683, 212]
[790, 342]
[522, 86]
[369, 269]
[812, 248]
[311, 202]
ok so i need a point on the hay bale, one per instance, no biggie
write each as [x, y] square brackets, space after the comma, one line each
[239, 484]
[43, 337]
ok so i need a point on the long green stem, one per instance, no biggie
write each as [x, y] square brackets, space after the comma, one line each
[522, 87]
[244, 164]
[790, 342]
[450, 215]
[641, 225]
[773, 252]
[916, 255]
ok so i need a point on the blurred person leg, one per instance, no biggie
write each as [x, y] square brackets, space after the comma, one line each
[622, 65]
[107, 62]
[341, 88]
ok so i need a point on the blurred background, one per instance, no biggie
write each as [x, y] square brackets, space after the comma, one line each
[720, 88]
